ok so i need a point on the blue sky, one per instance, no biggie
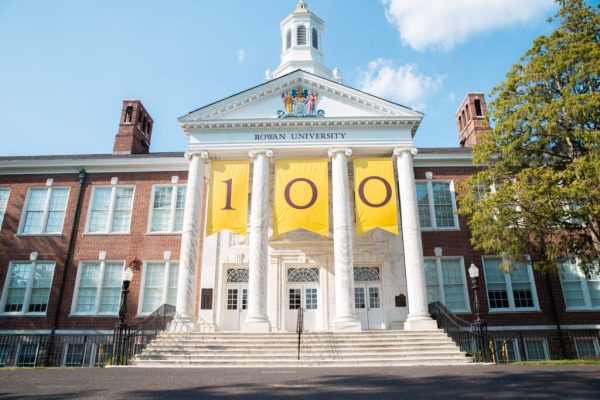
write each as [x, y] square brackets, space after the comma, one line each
[66, 65]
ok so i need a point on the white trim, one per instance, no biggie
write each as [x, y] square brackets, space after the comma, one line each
[26, 331]
[111, 209]
[594, 343]
[430, 197]
[440, 279]
[105, 165]
[18, 353]
[45, 211]
[509, 292]
[102, 265]
[544, 347]
[172, 211]
[27, 298]
[3, 211]
[523, 328]
[165, 286]
[583, 286]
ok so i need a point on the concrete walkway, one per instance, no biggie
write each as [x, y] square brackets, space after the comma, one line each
[456, 382]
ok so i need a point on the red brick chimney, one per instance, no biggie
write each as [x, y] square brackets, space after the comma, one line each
[472, 119]
[135, 129]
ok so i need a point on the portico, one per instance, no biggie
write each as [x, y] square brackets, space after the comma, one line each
[345, 281]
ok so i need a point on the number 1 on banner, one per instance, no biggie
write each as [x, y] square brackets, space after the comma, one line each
[228, 197]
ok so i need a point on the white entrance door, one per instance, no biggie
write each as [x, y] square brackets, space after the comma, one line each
[367, 297]
[235, 301]
[303, 292]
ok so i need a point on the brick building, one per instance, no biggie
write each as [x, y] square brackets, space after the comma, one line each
[70, 225]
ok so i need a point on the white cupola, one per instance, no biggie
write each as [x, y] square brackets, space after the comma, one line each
[301, 45]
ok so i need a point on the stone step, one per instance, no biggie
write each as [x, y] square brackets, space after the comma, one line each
[303, 339]
[315, 347]
[308, 334]
[267, 356]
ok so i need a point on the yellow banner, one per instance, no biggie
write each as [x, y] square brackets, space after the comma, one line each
[228, 197]
[375, 195]
[301, 196]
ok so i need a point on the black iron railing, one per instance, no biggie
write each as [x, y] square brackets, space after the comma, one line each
[470, 337]
[300, 327]
[131, 340]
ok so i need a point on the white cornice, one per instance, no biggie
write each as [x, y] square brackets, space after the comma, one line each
[66, 165]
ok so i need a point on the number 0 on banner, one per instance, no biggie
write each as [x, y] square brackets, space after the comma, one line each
[375, 195]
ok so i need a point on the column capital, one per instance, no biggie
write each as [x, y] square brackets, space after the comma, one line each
[398, 151]
[254, 152]
[196, 153]
[332, 152]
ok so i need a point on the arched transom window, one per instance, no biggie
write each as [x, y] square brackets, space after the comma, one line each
[301, 35]
[303, 275]
[237, 275]
[366, 274]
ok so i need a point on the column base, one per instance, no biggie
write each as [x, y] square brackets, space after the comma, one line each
[182, 325]
[256, 324]
[418, 323]
[346, 324]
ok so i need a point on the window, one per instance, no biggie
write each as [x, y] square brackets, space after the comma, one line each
[506, 350]
[580, 292]
[478, 111]
[168, 203]
[98, 288]
[586, 347]
[27, 287]
[437, 205]
[301, 35]
[27, 355]
[4, 354]
[128, 113]
[509, 291]
[536, 349]
[445, 279]
[44, 211]
[3, 202]
[315, 38]
[288, 39]
[159, 285]
[74, 353]
[103, 354]
[110, 210]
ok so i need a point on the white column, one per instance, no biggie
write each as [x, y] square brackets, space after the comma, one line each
[418, 314]
[345, 316]
[190, 242]
[256, 319]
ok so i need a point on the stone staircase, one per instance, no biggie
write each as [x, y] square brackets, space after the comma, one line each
[240, 349]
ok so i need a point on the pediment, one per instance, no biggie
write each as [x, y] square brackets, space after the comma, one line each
[267, 102]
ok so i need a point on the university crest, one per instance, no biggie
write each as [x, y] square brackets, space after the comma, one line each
[300, 103]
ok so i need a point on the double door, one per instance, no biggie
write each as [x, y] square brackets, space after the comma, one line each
[367, 303]
[236, 306]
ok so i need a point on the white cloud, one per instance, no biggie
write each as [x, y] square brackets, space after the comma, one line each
[241, 55]
[442, 24]
[404, 83]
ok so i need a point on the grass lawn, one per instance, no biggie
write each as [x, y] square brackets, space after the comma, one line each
[558, 362]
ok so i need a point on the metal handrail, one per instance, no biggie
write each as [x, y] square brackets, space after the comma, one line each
[300, 327]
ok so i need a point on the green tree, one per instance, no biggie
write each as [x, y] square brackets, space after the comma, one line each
[538, 192]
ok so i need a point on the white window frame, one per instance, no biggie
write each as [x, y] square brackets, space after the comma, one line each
[3, 211]
[27, 299]
[165, 286]
[440, 276]
[173, 209]
[515, 344]
[111, 209]
[98, 293]
[594, 343]
[66, 351]
[18, 354]
[511, 300]
[430, 181]
[583, 285]
[46, 211]
[544, 346]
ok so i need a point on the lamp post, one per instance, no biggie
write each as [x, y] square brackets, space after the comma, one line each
[119, 336]
[474, 275]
